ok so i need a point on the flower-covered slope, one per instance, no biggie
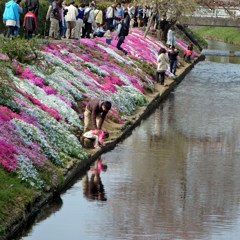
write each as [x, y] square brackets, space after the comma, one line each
[39, 127]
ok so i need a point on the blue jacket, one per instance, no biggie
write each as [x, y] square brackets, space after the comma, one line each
[11, 11]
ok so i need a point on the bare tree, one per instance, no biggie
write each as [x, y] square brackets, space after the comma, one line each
[173, 9]
[229, 6]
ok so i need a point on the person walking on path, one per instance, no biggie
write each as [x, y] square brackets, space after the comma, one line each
[123, 30]
[71, 18]
[20, 11]
[172, 55]
[30, 23]
[95, 113]
[171, 40]
[187, 55]
[54, 15]
[110, 15]
[89, 21]
[162, 65]
[79, 22]
[10, 17]
[98, 16]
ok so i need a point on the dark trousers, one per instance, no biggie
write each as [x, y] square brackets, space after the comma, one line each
[162, 74]
[87, 30]
[29, 35]
[10, 31]
[62, 29]
[173, 66]
[109, 22]
[188, 59]
[120, 42]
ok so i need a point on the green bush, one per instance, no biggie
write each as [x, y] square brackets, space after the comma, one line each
[20, 49]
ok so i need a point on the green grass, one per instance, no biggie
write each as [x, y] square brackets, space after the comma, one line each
[225, 34]
[14, 197]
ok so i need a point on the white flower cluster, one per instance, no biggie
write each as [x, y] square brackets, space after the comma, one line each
[95, 68]
[57, 134]
[127, 98]
[51, 101]
[31, 134]
[114, 54]
[28, 173]
[80, 80]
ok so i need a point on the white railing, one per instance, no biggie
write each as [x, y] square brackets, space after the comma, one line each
[216, 13]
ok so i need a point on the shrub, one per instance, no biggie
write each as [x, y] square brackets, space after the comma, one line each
[19, 49]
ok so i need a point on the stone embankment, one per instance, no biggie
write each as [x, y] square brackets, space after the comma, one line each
[42, 124]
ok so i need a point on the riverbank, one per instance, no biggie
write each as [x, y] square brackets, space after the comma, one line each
[224, 34]
[56, 92]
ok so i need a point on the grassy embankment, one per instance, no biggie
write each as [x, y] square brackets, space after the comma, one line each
[224, 34]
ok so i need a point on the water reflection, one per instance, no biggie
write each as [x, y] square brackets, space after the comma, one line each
[92, 185]
[216, 45]
[176, 177]
[43, 215]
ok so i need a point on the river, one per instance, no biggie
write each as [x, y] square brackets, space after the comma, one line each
[216, 45]
[176, 177]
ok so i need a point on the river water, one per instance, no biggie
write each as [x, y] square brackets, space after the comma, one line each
[216, 45]
[176, 177]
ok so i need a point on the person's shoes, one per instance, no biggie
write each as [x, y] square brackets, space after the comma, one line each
[125, 52]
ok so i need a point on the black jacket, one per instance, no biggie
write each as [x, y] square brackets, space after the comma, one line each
[125, 24]
[173, 55]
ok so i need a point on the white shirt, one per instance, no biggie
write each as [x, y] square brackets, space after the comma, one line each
[71, 14]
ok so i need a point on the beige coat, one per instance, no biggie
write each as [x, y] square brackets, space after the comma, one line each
[98, 15]
[162, 62]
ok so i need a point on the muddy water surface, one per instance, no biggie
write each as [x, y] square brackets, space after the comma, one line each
[176, 177]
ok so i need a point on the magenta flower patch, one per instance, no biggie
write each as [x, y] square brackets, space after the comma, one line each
[7, 158]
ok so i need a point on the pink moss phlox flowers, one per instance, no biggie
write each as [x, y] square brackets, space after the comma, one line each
[114, 113]
[29, 75]
[88, 42]
[53, 112]
[49, 90]
[4, 57]
[7, 157]
[7, 114]
[28, 118]
[17, 145]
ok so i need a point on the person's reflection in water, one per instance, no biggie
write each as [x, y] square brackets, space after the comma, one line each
[93, 188]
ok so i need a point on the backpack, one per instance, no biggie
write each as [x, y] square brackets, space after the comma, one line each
[86, 16]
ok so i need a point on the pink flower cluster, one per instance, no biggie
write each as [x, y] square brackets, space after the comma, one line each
[6, 114]
[53, 112]
[12, 144]
[7, 157]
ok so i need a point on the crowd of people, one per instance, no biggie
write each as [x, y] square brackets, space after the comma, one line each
[71, 21]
